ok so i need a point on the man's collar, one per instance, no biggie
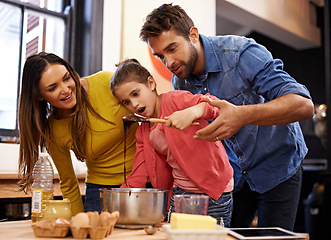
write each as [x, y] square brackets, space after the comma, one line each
[212, 63]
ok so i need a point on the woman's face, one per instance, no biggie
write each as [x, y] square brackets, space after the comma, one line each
[57, 87]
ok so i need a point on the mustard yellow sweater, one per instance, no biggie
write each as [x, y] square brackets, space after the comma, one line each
[105, 144]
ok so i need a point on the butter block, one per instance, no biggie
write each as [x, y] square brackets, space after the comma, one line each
[192, 221]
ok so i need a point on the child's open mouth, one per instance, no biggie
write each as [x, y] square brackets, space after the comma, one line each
[141, 110]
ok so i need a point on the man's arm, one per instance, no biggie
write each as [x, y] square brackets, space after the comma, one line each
[283, 110]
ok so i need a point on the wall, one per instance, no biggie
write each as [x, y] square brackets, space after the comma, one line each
[291, 22]
[9, 159]
[123, 21]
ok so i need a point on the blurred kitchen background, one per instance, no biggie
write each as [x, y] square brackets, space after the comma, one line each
[94, 35]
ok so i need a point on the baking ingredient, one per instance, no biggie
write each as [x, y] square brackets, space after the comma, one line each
[114, 216]
[92, 224]
[80, 225]
[80, 220]
[42, 186]
[94, 219]
[62, 220]
[108, 220]
[51, 228]
[192, 221]
[105, 218]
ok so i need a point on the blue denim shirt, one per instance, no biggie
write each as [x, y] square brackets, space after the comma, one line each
[243, 72]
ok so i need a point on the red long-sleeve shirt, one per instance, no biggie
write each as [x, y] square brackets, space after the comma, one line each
[204, 162]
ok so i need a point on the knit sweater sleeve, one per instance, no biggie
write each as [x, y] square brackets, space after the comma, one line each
[60, 154]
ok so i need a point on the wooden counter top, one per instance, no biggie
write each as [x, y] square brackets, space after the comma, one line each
[23, 230]
[10, 189]
[13, 175]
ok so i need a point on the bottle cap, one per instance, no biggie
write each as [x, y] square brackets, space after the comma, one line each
[43, 154]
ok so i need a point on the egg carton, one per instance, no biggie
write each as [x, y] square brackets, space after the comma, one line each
[93, 233]
[93, 225]
[50, 228]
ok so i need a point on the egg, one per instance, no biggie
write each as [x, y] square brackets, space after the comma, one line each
[62, 220]
[105, 219]
[115, 215]
[94, 219]
[108, 220]
[80, 220]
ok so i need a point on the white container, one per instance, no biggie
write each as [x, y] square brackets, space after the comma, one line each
[219, 234]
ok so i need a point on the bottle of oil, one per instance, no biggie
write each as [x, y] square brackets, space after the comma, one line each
[42, 186]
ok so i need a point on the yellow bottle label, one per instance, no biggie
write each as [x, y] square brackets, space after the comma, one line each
[36, 201]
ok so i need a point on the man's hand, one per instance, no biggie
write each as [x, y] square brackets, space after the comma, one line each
[283, 110]
[229, 121]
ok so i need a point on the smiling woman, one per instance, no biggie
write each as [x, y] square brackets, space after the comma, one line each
[62, 112]
[58, 88]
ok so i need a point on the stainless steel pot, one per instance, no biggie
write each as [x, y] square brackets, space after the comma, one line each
[138, 207]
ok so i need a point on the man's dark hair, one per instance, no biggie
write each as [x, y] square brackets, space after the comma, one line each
[164, 18]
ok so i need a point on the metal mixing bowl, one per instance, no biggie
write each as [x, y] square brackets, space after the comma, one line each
[138, 207]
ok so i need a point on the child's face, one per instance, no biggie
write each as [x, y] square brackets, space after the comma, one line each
[138, 97]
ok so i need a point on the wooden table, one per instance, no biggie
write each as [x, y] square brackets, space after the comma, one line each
[10, 189]
[22, 230]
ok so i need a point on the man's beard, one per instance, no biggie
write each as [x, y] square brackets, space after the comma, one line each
[190, 65]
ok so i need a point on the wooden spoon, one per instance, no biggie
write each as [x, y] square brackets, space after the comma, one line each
[138, 118]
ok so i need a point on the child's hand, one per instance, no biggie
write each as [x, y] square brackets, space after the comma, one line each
[180, 119]
[184, 118]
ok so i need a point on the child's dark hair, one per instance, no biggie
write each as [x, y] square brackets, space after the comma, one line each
[128, 70]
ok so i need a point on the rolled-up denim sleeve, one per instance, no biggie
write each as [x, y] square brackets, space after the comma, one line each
[295, 89]
[266, 75]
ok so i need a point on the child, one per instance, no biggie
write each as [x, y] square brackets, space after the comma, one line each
[166, 154]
